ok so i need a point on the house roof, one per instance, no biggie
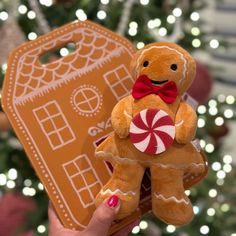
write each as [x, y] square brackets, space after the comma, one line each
[92, 50]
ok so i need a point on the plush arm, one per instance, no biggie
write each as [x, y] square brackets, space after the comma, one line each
[185, 123]
[121, 116]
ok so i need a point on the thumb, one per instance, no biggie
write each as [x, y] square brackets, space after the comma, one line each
[103, 217]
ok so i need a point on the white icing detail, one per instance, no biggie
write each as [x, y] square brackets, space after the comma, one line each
[117, 191]
[179, 124]
[135, 129]
[80, 172]
[142, 146]
[158, 116]
[51, 117]
[127, 114]
[171, 199]
[131, 161]
[160, 145]
[172, 49]
[143, 115]
[119, 81]
[86, 95]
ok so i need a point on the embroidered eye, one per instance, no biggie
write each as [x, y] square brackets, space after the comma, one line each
[173, 67]
[145, 64]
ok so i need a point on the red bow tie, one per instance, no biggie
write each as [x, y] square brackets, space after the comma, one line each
[143, 86]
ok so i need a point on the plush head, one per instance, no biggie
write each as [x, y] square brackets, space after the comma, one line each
[163, 62]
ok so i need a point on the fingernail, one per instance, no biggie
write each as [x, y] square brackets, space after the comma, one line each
[113, 201]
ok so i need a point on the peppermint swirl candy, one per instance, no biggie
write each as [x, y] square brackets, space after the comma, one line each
[152, 131]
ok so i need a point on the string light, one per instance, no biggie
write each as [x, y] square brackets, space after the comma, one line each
[27, 182]
[41, 229]
[171, 19]
[201, 123]
[228, 113]
[202, 143]
[230, 99]
[177, 12]
[196, 210]
[196, 43]
[11, 184]
[81, 15]
[64, 52]
[220, 182]
[187, 192]
[195, 16]
[227, 159]
[170, 228]
[212, 193]
[162, 31]
[219, 121]
[3, 179]
[201, 109]
[221, 98]
[234, 234]
[227, 168]
[40, 186]
[195, 31]
[105, 2]
[225, 207]
[31, 15]
[144, 2]
[143, 225]
[46, 3]
[136, 230]
[154, 23]
[213, 111]
[209, 148]
[204, 229]
[22, 9]
[12, 174]
[133, 24]
[132, 31]
[140, 45]
[4, 68]
[220, 174]
[211, 211]
[212, 103]
[32, 36]
[3, 15]
[214, 43]
[133, 28]
[28, 191]
[101, 15]
[216, 166]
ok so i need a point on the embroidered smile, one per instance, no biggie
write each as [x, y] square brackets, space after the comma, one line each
[158, 82]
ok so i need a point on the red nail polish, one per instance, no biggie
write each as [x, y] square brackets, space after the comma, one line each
[113, 201]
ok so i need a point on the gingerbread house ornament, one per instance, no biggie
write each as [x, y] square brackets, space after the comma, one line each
[60, 111]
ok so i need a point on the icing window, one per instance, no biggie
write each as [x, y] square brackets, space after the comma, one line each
[119, 81]
[86, 100]
[54, 124]
[84, 179]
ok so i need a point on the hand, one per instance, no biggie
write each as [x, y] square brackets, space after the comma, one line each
[98, 225]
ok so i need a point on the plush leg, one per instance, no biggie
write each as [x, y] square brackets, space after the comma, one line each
[125, 183]
[169, 201]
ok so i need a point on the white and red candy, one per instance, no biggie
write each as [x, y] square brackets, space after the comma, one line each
[152, 131]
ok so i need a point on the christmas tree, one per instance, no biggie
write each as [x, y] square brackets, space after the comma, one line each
[142, 22]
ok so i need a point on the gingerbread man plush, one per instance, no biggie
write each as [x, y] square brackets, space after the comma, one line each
[153, 128]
